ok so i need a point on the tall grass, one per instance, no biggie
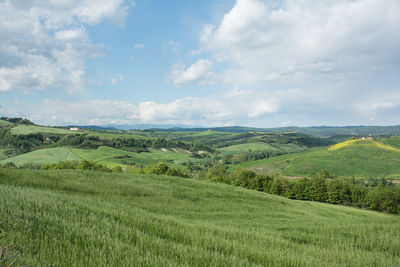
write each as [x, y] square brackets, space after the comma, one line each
[86, 218]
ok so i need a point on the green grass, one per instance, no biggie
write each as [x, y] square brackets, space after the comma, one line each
[361, 159]
[393, 141]
[259, 146]
[75, 218]
[31, 129]
[106, 155]
[2, 154]
[41, 156]
[5, 123]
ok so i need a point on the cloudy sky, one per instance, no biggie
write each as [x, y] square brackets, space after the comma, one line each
[264, 63]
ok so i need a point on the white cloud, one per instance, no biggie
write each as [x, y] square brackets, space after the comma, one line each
[211, 110]
[45, 43]
[198, 73]
[237, 93]
[139, 46]
[302, 39]
[379, 105]
[117, 79]
[172, 45]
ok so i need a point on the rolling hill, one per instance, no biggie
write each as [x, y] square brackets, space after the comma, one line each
[41, 156]
[5, 123]
[360, 158]
[86, 218]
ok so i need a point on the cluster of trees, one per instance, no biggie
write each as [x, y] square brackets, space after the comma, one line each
[154, 168]
[17, 120]
[19, 144]
[373, 194]
[249, 156]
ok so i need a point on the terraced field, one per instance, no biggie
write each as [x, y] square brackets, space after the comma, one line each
[86, 218]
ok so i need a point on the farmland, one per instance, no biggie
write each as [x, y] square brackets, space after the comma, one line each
[259, 146]
[89, 218]
[43, 156]
[360, 158]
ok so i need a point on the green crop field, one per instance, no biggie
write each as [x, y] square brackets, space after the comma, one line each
[85, 218]
[31, 129]
[392, 141]
[109, 156]
[361, 158]
[2, 155]
[5, 123]
[41, 156]
[258, 146]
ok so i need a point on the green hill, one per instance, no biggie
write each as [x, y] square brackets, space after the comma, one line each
[259, 146]
[361, 158]
[112, 156]
[46, 155]
[5, 123]
[76, 218]
[32, 129]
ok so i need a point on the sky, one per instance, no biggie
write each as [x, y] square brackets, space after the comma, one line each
[261, 63]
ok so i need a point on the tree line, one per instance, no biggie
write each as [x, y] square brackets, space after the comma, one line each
[374, 194]
[19, 144]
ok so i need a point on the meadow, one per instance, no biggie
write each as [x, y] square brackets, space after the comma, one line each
[87, 218]
[32, 129]
[2, 154]
[259, 146]
[42, 156]
[111, 156]
[5, 123]
[360, 158]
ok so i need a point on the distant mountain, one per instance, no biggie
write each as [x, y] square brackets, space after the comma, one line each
[321, 131]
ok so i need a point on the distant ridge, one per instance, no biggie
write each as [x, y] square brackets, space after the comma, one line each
[321, 131]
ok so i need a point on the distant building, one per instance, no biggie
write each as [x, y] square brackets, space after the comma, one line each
[367, 138]
[74, 129]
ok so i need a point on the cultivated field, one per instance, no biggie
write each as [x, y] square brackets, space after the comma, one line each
[42, 156]
[32, 129]
[5, 123]
[360, 158]
[2, 154]
[259, 146]
[86, 218]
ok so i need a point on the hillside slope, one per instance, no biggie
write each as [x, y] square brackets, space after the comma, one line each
[362, 158]
[73, 218]
[41, 156]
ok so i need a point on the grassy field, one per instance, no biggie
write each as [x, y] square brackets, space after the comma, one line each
[109, 156]
[31, 129]
[393, 141]
[2, 155]
[360, 158]
[258, 146]
[105, 155]
[41, 156]
[5, 123]
[75, 218]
